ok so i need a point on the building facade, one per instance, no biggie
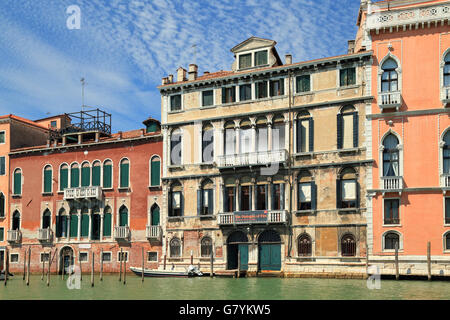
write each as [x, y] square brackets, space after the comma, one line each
[267, 162]
[87, 193]
[408, 204]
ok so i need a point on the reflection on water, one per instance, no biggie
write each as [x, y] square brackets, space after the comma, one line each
[222, 289]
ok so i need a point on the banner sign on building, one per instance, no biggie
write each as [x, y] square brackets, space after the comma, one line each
[250, 217]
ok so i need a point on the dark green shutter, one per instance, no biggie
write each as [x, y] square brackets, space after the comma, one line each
[199, 201]
[155, 217]
[313, 196]
[223, 95]
[299, 136]
[338, 193]
[339, 131]
[64, 176]
[107, 176]
[355, 129]
[84, 225]
[2, 165]
[107, 225]
[210, 202]
[155, 173]
[85, 177]
[18, 183]
[2, 234]
[58, 226]
[123, 218]
[73, 225]
[47, 181]
[96, 176]
[124, 175]
[74, 177]
[311, 134]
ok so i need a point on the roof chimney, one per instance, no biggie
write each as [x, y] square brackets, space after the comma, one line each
[181, 74]
[170, 77]
[206, 72]
[351, 46]
[165, 80]
[288, 59]
[193, 69]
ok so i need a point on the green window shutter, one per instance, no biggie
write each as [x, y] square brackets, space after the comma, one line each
[73, 225]
[2, 234]
[84, 225]
[155, 173]
[123, 218]
[351, 76]
[107, 225]
[58, 226]
[85, 176]
[18, 183]
[107, 176]
[343, 77]
[74, 177]
[47, 181]
[124, 175]
[64, 179]
[155, 217]
[96, 176]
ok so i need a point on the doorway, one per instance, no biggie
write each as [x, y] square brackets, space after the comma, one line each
[269, 250]
[66, 259]
[237, 242]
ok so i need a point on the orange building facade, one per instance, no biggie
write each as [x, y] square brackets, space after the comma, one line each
[408, 122]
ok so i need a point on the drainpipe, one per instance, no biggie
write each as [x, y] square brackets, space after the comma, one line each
[290, 158]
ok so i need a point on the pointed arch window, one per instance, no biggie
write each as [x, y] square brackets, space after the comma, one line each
[304, 245]
[175, 247]
[2, 204]
[155, 171]
[107, 174]
[107, 221]
[85, 174]
[206, 247]
[154, 215]
[124, 173]
[16, 221]
[96, 171]
[389, 77]
[85, 221]
[63, 177]
[446, 153]
[46, 219]
[123, 216]
[74, 176]
[447, 70]
[73, 225]
[390, 156]
[95, 223]
[17, 189]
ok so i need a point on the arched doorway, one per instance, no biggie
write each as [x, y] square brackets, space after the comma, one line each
[154, 221]
[269, 249]
[66, 259]
[237, 242]
[46, 219]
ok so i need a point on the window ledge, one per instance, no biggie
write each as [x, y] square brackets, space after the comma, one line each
[348, 210]
[175, 111]
[391, 250]
[353, 86]
[175, 166]
[175, 259]
[349, 150]
[207, 164]
[304, 154]
[206, 216]
[175, 218]
[208, 107]
[300, 94]
[155, 186]
[305, 211]
[47, 193]
[108, 189]
[305, 259]
[124, 189]
[16, 196]
[391, 225]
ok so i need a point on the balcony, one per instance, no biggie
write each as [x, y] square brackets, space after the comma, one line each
[122, 233]
[445, 181]
[252, 158]
[45, 235]
[387, 100]
[83, 193]
[14, 236]
[153, 232]
[391, 183]
[445, 95]
[253, 217]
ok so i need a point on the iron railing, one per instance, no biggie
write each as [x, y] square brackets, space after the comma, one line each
[122, 232]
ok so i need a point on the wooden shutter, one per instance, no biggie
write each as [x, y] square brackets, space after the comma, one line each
[85, 176]
[210, 201]
[73, 225]
[355, 130]
[58, 226]
[64, 176]
[357, 194]
[155, 173]
[199, 201]
[282, 196]
[225, 199]
[313, 195]
[84, 225]
[338, 193]
[2, 165]
[74, 177]
[351, 76]
[18, 183]
[339, 131]
[299, 136]
[311, 134]
[224, 98]
[47, 181]
[96, 176]
[342, 77]
[107, 225]
[107, 176]
[281, 86]
[124, 175]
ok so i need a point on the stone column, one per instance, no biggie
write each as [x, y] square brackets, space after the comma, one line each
[238, 137]
[269, 136]
[253, 146]
[286, 134]
[90, 223]
[79, 224]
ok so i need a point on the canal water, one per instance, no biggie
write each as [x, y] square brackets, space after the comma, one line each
[221, 289]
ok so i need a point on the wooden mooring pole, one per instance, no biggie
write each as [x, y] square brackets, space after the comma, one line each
[24, 264]
[212, 264]
[367, 262]
[120, 270]
[101, 266]
[92, 270]
[28, 269]
[43, 267]
[396, 261]
[164, 266]
[239, 264]
[124, 270]
[50, 265]
[192, 258]
[429, 259]
[143, 264]
[6, 268]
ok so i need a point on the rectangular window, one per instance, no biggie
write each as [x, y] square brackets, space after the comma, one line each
[176, 204]
[152, 256]
[2, 137]
[277, 197]
[230, 199]
[17, 183]
[261, 197]
[245, 92]
[230, 141]
[96, 175]
[175, 102]
[64, 178]
[245, 198]
[278, 136]
[277, 87]
[2, 166]
[245, 142]
[2, 234]
[229, 95]
[74, 177]
[124, 175]
[106, 257]
[447, 211]
[303, 136]
[245, 61]
[261, 89]
[304, 196]
[260, 58]
[53, 124]
[348, 193]
[347, 77]
[107, 176]
[303, 83]
[45, 256]
[347, 120]
[262, 138]
[14, 258]
[83, 257]
[391, 211]
[122, 256]
[155, 173]
[207, 98]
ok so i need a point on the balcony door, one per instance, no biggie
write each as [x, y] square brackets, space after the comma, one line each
[390, 156]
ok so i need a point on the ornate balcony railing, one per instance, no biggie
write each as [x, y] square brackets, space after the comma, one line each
[45, 234]
[154, 232]
[392, 183]
[14, 236]
[252, 158]
[83, 192]
[445, 95]
[253, 217]
[407, 17]
[390, 100]
[122, 232]
[445, 181]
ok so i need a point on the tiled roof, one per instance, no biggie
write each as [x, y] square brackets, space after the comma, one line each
[12, 116]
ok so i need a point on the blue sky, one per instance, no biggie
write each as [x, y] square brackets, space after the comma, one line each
[125, 47]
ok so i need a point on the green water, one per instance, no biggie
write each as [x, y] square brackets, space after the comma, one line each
[222, 289]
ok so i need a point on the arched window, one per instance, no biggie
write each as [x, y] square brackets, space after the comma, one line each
[63, 177]
[96, 169]
[205, 198]
[229, 138]
[347, 189]
[278, 133]
[73, 228]
[304, 245]
[74, 175]
[175, 247]
[95, 223]
[208, 143]
[107, 221]
[46, 219]
[123, 216]
[155, 171]
[305, 132]
[16, 220]
[447, 241]
[154, 215]
[446, 153]
[245, 136]
[17, 182]
[206, 247]
[47, 179]
[390, 156]
[84, 220]
[2, 205]
[261, 135]
[347, 128]
[124, 173]
[85, 174]
[175, 147]
[389, 77]
[390, 239]
[175, 200]
[107, 174]
[348, 245]
[447, 70]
